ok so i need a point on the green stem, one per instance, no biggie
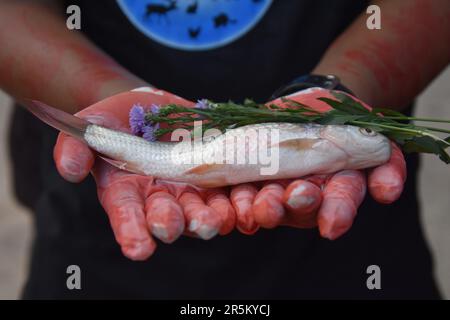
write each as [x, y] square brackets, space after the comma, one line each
[424, 128]
[385, 126]
[436, 129]
[414, 131]
[416, 119]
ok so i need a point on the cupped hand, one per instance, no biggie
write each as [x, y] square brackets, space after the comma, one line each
[141, 207]
[327, 201]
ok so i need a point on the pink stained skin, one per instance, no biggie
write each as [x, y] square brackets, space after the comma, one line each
[267, 207]
[386, 182]
[135, 203]
[342, 196]
[302, 198]
[390, 66]
[242, 197]
[42, 59]
[205, 212]
[219, 201]
[201, 219]
[165, 216]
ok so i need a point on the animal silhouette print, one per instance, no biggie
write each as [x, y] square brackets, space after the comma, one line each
[160, 10]
[192, 8]
[222, 20]
[193, 33]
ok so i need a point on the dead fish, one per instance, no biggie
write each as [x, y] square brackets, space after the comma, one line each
[250, 153]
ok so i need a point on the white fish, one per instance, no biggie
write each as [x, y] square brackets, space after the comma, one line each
[299, 150]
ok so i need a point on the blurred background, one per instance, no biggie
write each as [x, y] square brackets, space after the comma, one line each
[16, 228]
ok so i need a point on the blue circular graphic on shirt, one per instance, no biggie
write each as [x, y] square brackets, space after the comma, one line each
[194, 24]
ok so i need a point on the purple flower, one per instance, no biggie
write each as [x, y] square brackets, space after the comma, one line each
[148, 131]
[202, 104]
[154, 108]
[137, 118]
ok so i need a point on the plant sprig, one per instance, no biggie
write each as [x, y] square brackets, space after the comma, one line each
[344, 111]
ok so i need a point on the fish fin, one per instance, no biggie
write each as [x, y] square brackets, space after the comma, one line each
[212, 183]
[204, 168]
[122, 165]
[298, 144]
[58, 119]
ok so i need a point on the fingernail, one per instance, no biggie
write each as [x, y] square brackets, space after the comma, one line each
[148, 89]
[139, 250]
[204, 231]
[334, 222]
[160, 231]
[163, 233]
[386, 193]
[301, 201]
[298, 199]
[71, 169]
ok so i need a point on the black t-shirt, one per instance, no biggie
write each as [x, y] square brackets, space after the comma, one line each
[72, 228]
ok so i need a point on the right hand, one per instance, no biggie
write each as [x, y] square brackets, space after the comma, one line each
[140, 207]
[327, 201]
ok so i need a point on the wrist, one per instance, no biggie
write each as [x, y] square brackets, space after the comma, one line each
[357, 82]
[328, 82]
[114, 86]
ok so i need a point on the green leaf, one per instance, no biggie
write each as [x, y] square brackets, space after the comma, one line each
[343, 107]
[345, 110]
[348, 100]
[399, 137]
[332, 117]
[293, 103]
[387, 112]
[422, 144]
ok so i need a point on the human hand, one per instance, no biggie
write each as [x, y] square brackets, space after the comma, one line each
[142, 207]
[327, 201]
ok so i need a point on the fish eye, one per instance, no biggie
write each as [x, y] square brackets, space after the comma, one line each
[367, 132]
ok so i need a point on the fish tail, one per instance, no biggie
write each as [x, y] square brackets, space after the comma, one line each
[63, 121]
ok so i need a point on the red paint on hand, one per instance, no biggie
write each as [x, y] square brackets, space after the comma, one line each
[342, 196]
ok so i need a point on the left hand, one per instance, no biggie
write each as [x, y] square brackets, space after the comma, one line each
[327, 201]
[142, 207]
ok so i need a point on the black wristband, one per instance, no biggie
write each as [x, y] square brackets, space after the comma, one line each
[329, 82]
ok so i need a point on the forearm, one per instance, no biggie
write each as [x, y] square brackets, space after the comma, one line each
[389, 67]
[40, 58]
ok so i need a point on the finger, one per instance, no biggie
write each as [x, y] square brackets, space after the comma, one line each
[219, 202]
[386, 181]
[242, 197]
[302, 199]
[114, 111]
[342, 196]
[307, 97]
[125, 208]
[319, 180]
[200, 219]
[164, 216]
[73, 158]
[267, 207]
